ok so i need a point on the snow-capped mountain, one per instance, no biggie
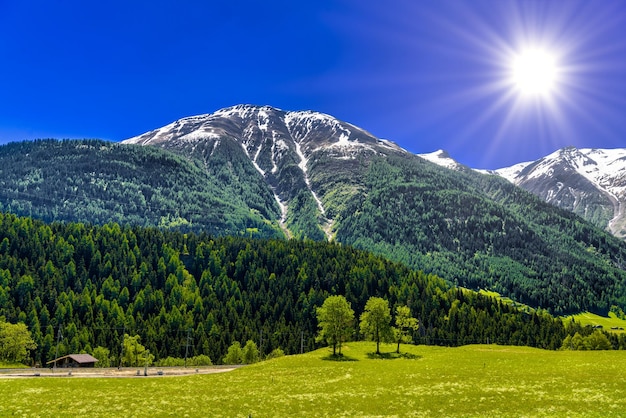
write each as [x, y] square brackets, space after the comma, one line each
[588, 182]
[263, 172]
[290, 151]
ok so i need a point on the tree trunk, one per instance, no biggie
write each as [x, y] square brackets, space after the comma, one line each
[377, 342]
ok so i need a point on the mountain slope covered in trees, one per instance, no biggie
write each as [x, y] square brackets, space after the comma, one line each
[481, 231]
[96, 283]
[472, 229]
[100, 182]
[259, 171]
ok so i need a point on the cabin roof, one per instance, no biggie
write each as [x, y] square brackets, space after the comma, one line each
[78, 358]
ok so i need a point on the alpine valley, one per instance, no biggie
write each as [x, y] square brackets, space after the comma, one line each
[266, 173]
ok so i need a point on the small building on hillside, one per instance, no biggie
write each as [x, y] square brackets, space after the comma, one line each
[74, 360]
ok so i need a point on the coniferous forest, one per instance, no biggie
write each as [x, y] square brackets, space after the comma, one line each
[470, 229]
[78, 287]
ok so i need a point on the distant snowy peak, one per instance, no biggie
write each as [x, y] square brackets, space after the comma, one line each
[443, 159]
[589, 182]
[510, 173]
[600, 166]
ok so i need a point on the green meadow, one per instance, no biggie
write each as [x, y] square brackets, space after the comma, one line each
[477, 380]
[607, 322]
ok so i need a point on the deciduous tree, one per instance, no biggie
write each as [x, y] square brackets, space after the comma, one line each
[335, 318]
[15, 341]
[234, 355]
[376, 321]
[103, 356]
[250, 353]
[405, 325]
[135, 354]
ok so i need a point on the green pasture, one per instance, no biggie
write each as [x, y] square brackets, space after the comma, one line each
[506, 300]
[607, 322]
[477, 380]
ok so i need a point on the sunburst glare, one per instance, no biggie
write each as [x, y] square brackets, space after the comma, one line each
[521, 79]
[534, 72]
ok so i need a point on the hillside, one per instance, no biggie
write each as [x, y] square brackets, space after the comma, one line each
[97, 283]
[471, 229]
[100, 182]
[263, 172]
[479, 231]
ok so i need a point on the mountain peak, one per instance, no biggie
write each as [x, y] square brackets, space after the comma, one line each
[290, 152]
[442, 158]
[245, 123]
[588, 182]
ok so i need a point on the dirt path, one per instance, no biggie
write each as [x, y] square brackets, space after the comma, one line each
[115, 372]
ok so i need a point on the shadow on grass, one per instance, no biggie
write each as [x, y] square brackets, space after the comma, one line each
[392, 356]
[338, 357]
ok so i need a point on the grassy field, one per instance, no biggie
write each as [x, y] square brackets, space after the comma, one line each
[479, 380]
[506, 300]
[612, 321]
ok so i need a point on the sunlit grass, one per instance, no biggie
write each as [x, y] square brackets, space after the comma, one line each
[607, 322]
[477, 380]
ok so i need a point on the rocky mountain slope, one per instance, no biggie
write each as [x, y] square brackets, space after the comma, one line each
[588, 182]
[306, 158]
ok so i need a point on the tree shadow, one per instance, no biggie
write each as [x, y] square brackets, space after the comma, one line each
[392, 356]
[338, 357]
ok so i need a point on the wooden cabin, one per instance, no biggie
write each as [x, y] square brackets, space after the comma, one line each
[74, 360]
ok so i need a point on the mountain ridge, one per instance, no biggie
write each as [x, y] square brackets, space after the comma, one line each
[590, 182]
[227, 174]
[296, 137]
[338, 182]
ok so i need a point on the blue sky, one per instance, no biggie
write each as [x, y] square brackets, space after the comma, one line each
[426, 74]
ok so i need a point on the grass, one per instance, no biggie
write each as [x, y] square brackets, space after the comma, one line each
[591, 319]
[478, 380]
[5, 365]
[506, 300]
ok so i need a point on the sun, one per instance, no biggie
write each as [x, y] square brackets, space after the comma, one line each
[534, 72]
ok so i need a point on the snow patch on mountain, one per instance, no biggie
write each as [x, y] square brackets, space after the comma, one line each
[200, 134]
[279, 146]
[510, 173]
[441, 158]
[302, 165]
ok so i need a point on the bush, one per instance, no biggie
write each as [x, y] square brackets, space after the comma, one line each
[251, 353]
[200, 360]
[596, 341]
[103, 356]
[277, 352]
[170, 362]
[234, 354]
